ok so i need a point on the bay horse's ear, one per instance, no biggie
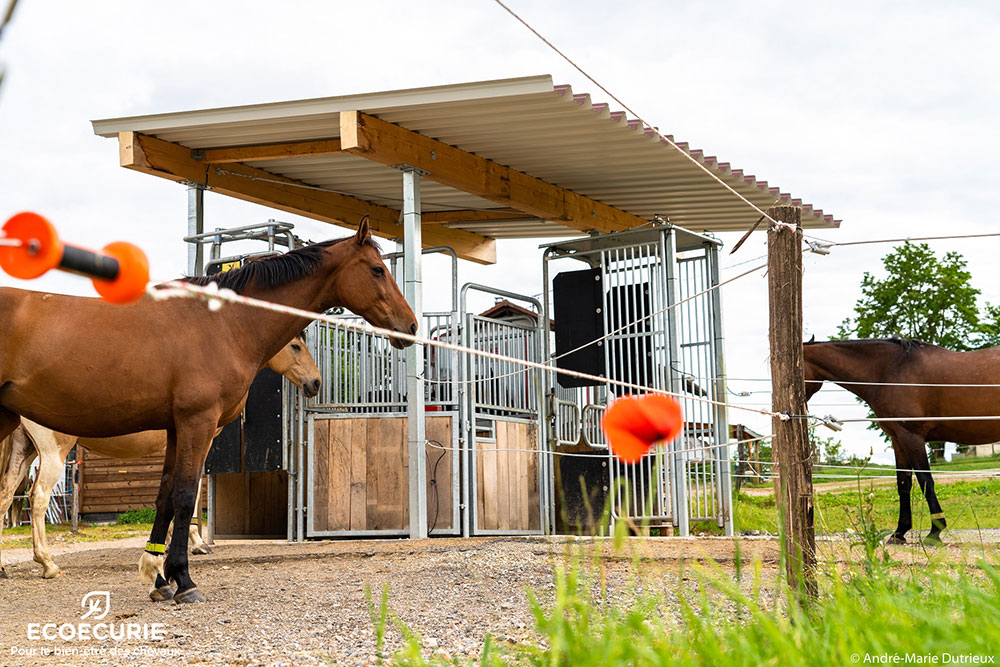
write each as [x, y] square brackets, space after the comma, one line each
[364, 234]
[813, 339]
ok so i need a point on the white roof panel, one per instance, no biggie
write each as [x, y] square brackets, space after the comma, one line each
[527, 124]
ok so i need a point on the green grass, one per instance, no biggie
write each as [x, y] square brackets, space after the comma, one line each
[967, 504]
[137, 516]
[61, 533]
[869, 610]
[970, 464]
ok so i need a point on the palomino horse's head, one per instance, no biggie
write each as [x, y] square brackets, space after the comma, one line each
[366, 288]
[296, 364]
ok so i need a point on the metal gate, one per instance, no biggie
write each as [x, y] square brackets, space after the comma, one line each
[656, 330]
[508, 465]
[353, 438]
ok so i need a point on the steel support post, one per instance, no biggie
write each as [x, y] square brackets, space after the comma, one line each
[195, 267]
[413, 291]
[721, 412]
[678, 464]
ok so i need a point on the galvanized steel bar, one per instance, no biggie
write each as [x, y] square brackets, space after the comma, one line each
[413, 282]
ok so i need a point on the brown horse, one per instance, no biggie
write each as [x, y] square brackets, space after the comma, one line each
[102, 370]
[848, 363]
[30, 440]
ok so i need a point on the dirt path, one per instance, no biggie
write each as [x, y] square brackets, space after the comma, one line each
[824, 487]
[275, 603]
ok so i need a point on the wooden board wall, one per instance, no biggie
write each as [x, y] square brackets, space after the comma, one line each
[117, 485]
[361, 474]
[251, 504]
[507, 481]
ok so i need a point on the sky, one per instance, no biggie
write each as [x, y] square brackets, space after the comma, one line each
[883, 114]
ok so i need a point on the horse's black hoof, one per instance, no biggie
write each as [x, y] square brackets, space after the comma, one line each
[3, 573]
[162, 593]
[933, 540]
[896, 539]
[190, 596]
[201, 550]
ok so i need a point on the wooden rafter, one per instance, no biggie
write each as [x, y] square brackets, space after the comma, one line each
[393, 145]
[169, 160]
[471, 215]
[267, 151]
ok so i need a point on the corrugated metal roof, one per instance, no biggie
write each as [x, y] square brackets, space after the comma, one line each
[527, 124]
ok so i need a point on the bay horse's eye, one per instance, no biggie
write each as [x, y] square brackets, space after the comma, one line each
[296, 347]
[378, 271]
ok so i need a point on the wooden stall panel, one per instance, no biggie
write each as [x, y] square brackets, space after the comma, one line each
[253, 504]
[508, 496]
[361, 474]
[440, 502]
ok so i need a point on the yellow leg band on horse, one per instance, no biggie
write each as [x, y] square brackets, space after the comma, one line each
[939, 515]
[155, 549]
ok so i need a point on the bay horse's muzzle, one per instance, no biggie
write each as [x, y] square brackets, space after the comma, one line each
[400, 343]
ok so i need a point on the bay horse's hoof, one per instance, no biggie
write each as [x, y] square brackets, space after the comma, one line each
[163, 593]
[201, 550]
[3, 573]
[896, 539]
[190, 596]
[933, 540]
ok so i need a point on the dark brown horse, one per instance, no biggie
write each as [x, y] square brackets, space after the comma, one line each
[89, 368]
[848, 363]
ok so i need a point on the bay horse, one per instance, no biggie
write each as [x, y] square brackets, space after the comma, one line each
[103, 370]
[894, 360]
[29, 440]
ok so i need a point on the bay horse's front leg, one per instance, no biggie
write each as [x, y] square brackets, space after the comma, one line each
[194, 438]
[151, 563]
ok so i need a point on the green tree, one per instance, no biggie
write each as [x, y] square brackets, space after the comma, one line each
[921, 297]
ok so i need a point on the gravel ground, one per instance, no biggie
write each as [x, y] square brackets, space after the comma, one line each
[275, 603]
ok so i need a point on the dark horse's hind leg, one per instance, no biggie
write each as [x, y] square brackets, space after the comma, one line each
[904, 483]
[151, 563]
[926, 483]
[194, 437]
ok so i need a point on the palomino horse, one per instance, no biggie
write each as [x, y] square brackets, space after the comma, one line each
[17, 452]
[102, 370]
[853, 363]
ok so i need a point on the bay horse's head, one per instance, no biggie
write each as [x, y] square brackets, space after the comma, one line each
[365, 287]
[813, 373]
[296, 364]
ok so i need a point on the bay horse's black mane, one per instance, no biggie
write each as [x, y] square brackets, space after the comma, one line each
[906, 345]
[274, 271]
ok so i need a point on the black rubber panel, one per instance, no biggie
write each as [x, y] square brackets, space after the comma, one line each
[262, 423]
[226, 452]
[576, 301]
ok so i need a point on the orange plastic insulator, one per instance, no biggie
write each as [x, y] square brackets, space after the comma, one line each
[40, 248]
[133, 274]
[633, 424]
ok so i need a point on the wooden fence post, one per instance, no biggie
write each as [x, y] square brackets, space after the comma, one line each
[790, 445]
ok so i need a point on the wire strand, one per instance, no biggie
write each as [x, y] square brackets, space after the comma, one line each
[662, 137]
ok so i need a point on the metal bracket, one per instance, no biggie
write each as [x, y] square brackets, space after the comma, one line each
[410, 167]
[193, 184]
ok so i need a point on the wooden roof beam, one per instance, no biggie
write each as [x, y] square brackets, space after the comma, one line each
[470, 215]
[267, 151]
[393, 145]
[173, 161]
